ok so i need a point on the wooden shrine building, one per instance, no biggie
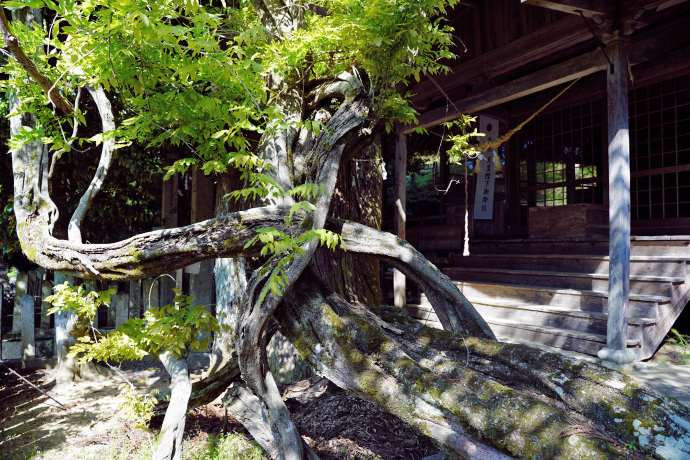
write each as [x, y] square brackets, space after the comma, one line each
[582, 242]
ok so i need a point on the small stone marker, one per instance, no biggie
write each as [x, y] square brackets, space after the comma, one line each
[110, 322]
[28, 330]
[121, 309]
[135, 299]
[150, 293]
[46, 290]
[61, 336]
[19, 292]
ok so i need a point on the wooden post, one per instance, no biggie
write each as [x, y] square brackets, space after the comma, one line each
[110, 321]
[616, 353]
[169, 220]
[399, 289]
[201, 281]
[444, 179]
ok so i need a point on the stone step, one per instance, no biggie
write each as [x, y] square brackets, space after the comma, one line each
[640, 305]
[656, 285]
[651, 265]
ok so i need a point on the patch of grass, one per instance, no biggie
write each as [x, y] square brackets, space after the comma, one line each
[231, 446]
[683, 345]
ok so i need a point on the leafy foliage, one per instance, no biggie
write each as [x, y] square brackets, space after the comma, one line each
[195, 76]
[79, 299]
[180, 328]
[137, 407]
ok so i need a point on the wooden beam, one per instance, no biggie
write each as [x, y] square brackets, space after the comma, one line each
[564, 32]
[570, 70]
[589, 8]
[648, 46]
[619, 198]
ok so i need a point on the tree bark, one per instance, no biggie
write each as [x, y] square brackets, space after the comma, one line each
[358, 198]
[248, 410]
[204, 391]
[478, 398]
[107, 153]
[172, 430]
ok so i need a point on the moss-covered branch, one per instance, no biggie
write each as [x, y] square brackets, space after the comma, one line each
[431, 381]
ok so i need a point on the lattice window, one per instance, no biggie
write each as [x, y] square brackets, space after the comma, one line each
[660, 150]
[560, 159]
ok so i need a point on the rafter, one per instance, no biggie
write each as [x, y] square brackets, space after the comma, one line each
[564, 32]
[649, 45]
[589, 8]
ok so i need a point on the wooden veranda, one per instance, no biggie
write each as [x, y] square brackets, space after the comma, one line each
[586, 245]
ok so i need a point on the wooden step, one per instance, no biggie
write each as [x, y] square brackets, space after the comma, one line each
[582, 342]
[640, 305]
[657, 285]
[540, 246]
[650, 265]
[423, 312]
[558, 317]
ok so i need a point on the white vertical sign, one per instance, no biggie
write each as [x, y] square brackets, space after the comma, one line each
[484, 193]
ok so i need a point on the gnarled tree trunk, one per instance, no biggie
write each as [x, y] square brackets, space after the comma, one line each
[476, 398]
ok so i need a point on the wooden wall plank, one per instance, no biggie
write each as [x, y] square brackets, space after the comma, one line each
[566, 31]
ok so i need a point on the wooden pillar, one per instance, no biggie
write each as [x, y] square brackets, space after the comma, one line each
[399, 297]
[201, 280]
[619, 207]
[169, 202]
[169, 220]
[444, 180]
[110, 321]
[121, 308]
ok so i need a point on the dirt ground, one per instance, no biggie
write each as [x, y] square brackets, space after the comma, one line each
[90, 426]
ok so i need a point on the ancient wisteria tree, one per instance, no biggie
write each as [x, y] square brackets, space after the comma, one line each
[284, 93]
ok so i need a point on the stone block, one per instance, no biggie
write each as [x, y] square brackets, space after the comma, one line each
[28, 328]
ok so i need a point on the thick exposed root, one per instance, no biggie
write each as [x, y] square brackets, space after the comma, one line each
[172, 431]
[478, 398]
